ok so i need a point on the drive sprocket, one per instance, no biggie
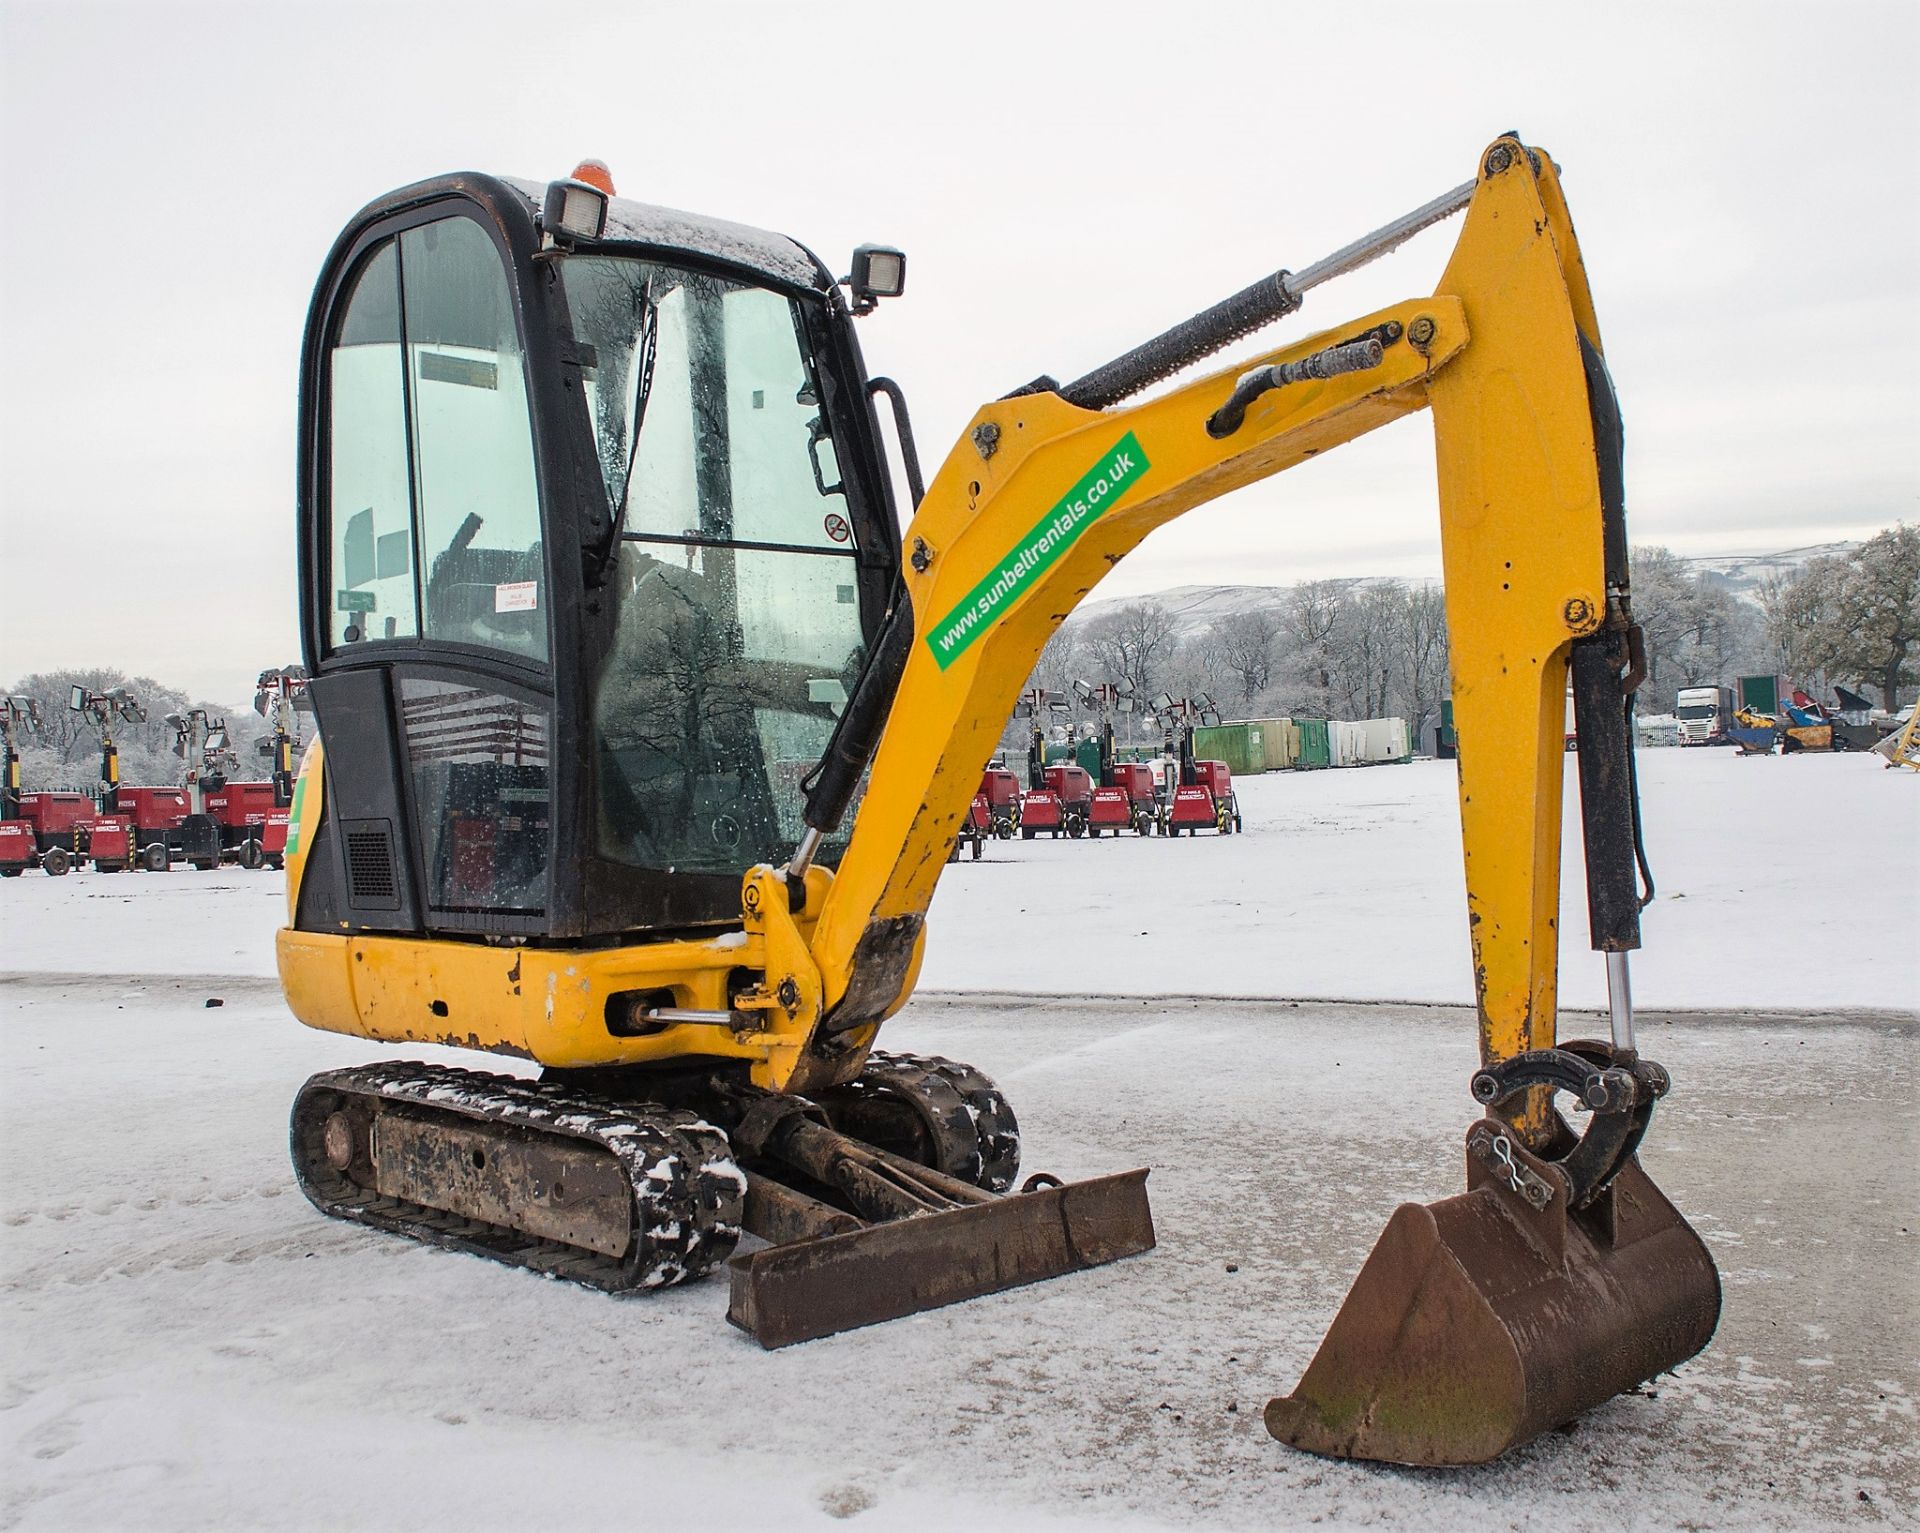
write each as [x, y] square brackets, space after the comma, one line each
[938, 1112]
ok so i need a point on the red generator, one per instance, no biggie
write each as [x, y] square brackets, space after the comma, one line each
[1125, 805]
[58, 822]
[110, 843]
[241, 811]
[16, 847]
[995, 811]
[1062, 805]
[1206, 803]
[1000, 791]
[157, 815]
[273, 837]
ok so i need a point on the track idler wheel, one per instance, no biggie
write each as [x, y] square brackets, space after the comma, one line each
[936, 1112]
[1556, 1281]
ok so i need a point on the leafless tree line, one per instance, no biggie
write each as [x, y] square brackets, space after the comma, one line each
[1324, 649]
[1366, 649]
[66, 753]
[1852, 618]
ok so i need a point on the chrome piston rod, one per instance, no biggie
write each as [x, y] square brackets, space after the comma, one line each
[1383, 241]
[1620, 1002]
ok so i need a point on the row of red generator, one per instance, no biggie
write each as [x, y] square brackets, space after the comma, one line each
[1072, 804]
[150, 828]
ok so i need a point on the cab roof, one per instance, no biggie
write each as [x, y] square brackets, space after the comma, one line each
[773, 255]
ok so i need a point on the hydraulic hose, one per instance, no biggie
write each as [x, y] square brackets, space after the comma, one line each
[828, 788]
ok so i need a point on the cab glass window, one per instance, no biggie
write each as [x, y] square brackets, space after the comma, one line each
[434, 511]
[479, 765]
[482, 576]
[736, 590]
[715, 379]
[369, 501]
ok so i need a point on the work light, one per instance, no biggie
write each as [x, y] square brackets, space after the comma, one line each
[879, 271]
[573, 211]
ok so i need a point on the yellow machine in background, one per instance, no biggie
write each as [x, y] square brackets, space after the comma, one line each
[568, 725]
[1902, 746]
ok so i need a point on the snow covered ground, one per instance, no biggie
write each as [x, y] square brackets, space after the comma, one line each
[1778, 881]
[1779, 886]
[185, 1343]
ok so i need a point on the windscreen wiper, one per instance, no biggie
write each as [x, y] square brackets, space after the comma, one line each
[643, 389]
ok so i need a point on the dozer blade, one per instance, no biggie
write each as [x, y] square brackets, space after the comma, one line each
[813, 1288]
[1484, 1319]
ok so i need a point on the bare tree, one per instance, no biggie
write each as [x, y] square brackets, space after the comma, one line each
[1696, 630]
[1312, 613]
[1795, 609]
[1243, 646]
[1420, 655]
[1063, 660]
[1855, 616]
[1661, 583]
[1135, 643]
[1362, 643]
[1720, 632]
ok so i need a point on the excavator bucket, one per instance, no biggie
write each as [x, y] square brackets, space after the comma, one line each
[1484, 1319]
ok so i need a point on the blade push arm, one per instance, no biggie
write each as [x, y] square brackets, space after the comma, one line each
[1040, 499]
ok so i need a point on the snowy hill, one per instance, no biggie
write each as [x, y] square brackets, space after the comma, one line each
[1201, 606]
[1742, 574]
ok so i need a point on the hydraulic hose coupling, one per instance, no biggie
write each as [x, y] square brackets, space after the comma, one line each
[1354, 357]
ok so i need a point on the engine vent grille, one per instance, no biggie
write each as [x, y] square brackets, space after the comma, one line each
[370, 882]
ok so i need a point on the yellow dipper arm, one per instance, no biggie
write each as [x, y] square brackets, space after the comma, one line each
[1039, 499]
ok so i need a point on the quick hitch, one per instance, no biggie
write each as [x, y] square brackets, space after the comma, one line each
[1618, 1087]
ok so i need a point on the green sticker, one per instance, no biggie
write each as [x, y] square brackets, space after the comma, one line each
[1099, 489]
[293, 814]
[353, 601]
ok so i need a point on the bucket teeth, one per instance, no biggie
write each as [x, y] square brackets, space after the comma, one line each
[1480, 1321]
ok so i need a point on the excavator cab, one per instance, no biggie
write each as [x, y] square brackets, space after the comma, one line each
[595, 542]
[646, 734]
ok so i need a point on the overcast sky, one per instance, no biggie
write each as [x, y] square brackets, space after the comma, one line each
[1066, 179]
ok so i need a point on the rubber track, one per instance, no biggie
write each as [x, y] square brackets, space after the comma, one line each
[993, 1127]
[687, 1190]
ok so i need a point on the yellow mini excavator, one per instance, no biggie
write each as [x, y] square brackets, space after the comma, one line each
[647, 734]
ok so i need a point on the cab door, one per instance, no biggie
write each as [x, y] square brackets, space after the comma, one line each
[427, 591]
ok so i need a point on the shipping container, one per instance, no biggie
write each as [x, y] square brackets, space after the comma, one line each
[1346, 743]
[1313, 743]
[1387, 740]
[1762, 694]
[1282, 743]
[1241, 746]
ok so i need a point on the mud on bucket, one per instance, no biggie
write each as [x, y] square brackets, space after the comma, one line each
[1482, 1320]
